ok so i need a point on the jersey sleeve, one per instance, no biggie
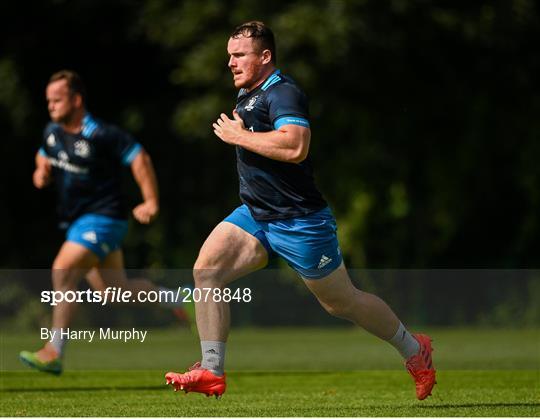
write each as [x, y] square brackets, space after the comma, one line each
[287, 105]
[124, 146]
[48, 141]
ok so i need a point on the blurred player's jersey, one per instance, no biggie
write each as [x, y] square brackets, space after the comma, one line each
[272, 189]
[87, 168]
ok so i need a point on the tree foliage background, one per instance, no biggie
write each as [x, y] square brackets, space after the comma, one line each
[424, 116]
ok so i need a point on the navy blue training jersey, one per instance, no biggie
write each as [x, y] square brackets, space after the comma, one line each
[87, 168]
[273, 189]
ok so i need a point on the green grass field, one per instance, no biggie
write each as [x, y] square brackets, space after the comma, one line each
[281, 372]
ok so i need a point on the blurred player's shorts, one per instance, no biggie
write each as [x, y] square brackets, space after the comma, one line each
[98, 233]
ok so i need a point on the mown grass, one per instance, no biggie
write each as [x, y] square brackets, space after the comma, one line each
[281, 372]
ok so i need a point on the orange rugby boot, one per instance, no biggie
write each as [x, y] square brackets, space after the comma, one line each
[197, 380]
[420, 366]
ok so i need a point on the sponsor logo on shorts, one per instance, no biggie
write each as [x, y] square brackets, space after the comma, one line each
[325, 260]
[90, 236]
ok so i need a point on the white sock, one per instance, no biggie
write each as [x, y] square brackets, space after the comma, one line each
[57, 341]
[404, 342]
[213, 356]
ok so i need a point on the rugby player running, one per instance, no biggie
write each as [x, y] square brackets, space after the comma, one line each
[84, 157]
[282, 213]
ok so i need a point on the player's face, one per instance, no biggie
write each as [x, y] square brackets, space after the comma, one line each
[61, 103]
[247, 64]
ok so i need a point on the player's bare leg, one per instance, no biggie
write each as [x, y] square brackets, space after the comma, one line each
[341, 298]
[227, 254]
[111, 273]
[71, 264]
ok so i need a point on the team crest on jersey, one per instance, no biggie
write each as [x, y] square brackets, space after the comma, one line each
[62, 155]
[251, 104]
[51, 141]
[81, 149]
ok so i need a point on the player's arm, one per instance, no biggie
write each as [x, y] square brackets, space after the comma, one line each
[42, 175]
[289, 143]
[145, 176]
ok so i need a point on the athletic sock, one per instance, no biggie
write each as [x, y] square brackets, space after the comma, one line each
[404, 342]
[58, 342]
[213, 356]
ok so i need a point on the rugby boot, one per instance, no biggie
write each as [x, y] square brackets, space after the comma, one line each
[45, 360]
[420, 366]
[197, 380]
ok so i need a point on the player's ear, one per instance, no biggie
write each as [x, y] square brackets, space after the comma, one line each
[77, 100]
[266, 56]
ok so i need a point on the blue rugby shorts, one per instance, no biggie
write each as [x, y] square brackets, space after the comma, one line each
[308, 243]
[98, 233]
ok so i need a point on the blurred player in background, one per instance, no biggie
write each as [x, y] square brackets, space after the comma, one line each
[283, 214]
[85, 158]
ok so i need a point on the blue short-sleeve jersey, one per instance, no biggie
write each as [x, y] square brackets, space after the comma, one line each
[87, 168]
[273, 189]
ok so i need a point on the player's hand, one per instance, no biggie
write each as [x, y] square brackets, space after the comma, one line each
[41, 177]
[146, 212]
[229, 130]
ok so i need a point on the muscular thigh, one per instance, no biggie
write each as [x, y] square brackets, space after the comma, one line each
[109, 273]
[72, 263]
[232, 251]
[74, 256]
[335, 287]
